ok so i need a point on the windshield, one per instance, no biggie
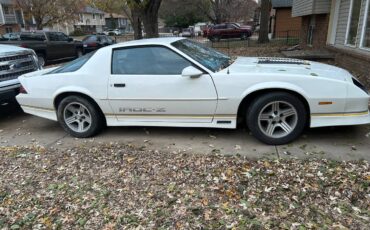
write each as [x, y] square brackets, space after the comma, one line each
[73, 65]
[210, 58]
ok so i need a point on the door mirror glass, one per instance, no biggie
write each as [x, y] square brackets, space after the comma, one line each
[191, 72]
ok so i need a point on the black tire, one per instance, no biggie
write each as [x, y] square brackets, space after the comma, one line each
[97, 120]
[41, 59]
[260, 103]
[215, 39]
[244, 36]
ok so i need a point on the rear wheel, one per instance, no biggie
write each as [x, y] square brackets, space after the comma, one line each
[215, 38]
[276, 118]
[79, 117]
[244, 36]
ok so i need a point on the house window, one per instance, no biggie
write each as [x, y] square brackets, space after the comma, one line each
[366, 35]
[93, 16]
[7, 10]
[353, 22]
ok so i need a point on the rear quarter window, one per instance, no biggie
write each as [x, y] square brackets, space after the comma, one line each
[73, 65]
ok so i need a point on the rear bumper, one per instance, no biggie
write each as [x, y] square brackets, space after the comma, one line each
[344, 119]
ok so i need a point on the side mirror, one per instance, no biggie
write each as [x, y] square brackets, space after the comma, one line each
[70, 40]
[191, 72]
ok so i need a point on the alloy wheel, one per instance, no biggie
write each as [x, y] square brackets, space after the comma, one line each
[77, 117]
[278, 119]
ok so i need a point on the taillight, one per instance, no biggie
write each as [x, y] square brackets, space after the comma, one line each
[92, 44]
[22, 90]
[23, 45]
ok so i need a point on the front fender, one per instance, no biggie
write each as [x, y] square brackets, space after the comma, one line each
[275, 85]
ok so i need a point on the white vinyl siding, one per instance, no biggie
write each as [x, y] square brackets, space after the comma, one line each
[342, 22]
[1, 15]
[309, 7]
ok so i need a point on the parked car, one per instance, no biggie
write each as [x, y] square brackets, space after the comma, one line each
[115, 32]
[14, 61]
[228, 30]
[10, 36]
[199, 27]
[49, 46]
[94, 42]
[180, 83]
[188, 32]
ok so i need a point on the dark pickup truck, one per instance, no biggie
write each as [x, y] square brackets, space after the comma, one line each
[49, 46]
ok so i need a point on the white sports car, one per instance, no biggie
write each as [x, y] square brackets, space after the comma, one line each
[180, 83]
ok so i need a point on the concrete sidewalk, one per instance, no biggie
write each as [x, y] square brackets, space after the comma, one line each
[339, 143]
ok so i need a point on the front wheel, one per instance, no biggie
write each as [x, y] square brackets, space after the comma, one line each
[79, 117]
[41, 59]
[276, 118]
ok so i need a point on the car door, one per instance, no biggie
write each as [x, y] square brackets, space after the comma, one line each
[70, 47]
[57, 49]
[146, 85]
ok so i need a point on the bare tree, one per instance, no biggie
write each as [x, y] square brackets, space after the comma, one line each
[219, 11]
[264, 24]
[47, 13]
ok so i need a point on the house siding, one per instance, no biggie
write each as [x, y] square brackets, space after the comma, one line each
[342, 22]
[1, 14]
[321, 6]
[308, 7]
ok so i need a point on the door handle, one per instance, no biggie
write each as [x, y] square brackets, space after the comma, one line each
[119, 85]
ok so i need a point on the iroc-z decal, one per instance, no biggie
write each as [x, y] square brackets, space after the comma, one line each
[142, 110]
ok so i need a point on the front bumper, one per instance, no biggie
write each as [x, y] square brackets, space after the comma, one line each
[8, 93]
[344, 119]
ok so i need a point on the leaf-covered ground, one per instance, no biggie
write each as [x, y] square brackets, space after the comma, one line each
[122, 187]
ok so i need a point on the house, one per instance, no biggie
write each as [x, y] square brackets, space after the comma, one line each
[282, 22]
[117, 21]
[11, 18]
[343, 26]
[91, 20]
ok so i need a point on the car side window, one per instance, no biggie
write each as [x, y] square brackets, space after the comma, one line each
[53, 37]
[62, 37]
[230, 26]
[153, 60]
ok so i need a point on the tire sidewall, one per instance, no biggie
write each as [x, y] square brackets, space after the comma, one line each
[259, 103]
[96, 120]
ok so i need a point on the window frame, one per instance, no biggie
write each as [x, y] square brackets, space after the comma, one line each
[346, 43]
[364, 25]
[150, 45]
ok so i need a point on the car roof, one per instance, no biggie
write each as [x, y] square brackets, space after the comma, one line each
[150, 41]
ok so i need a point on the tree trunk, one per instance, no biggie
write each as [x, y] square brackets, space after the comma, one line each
[136, 24]
[149, 15]
[150, 21]
[39, 24]
[264, 24]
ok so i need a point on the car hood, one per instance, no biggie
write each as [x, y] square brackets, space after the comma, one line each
[10, 48]
[286, 66]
